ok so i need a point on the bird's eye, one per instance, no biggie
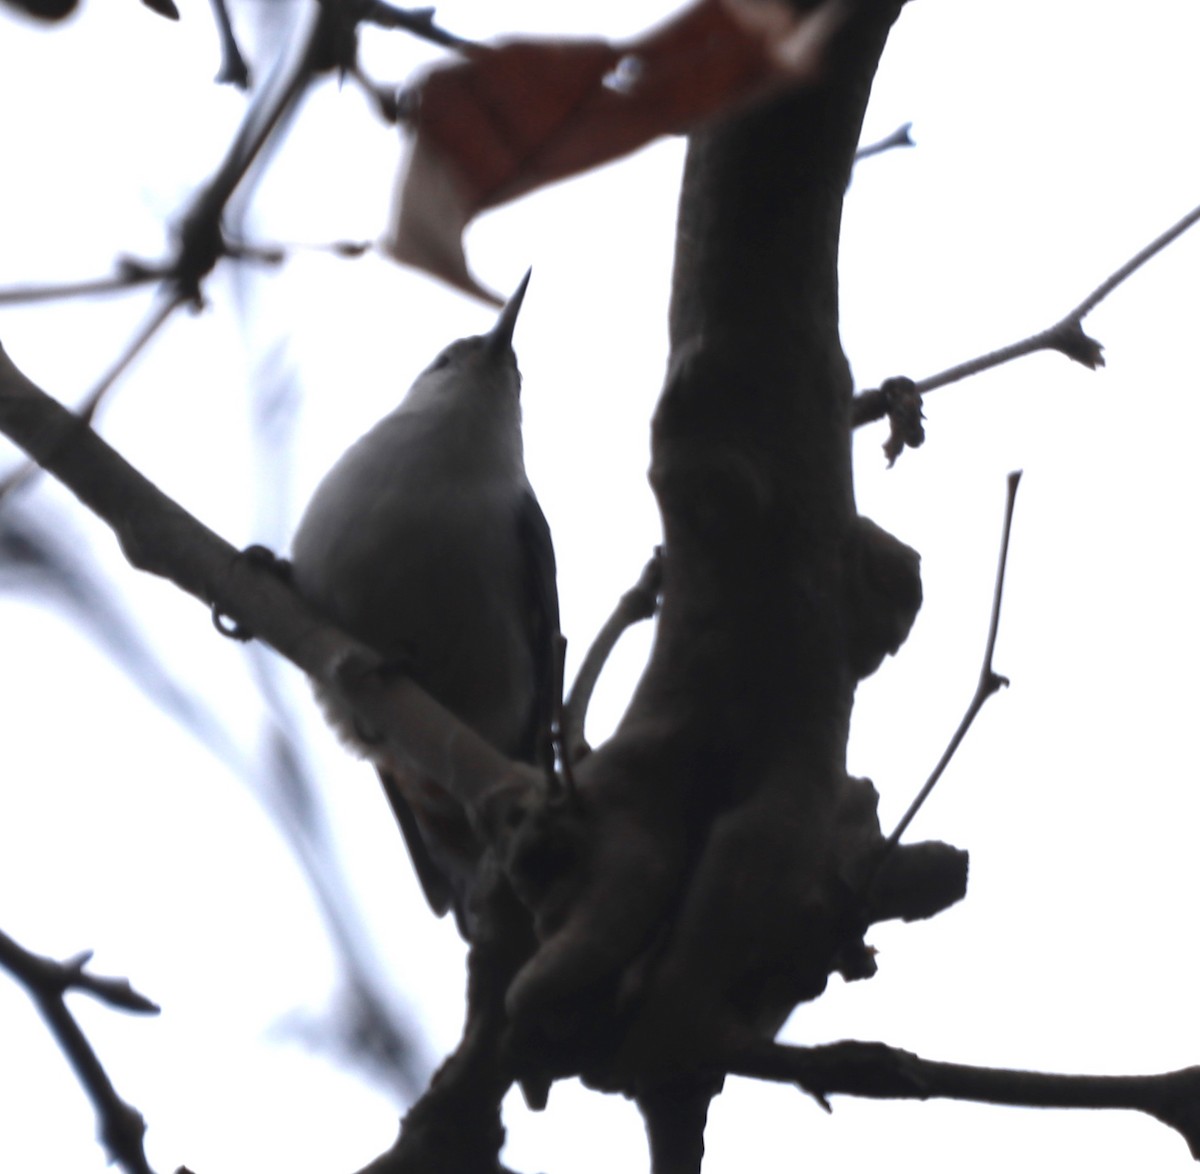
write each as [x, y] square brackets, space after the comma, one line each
[443, 360]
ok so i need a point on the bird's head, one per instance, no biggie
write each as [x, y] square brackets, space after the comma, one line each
[480, 370]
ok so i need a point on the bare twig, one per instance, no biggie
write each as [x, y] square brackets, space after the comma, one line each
[278, 252]
[900, 137]
[130, 274]
[393, 103]
[46, 982]
[880, 1071]
[154, 322]
[990, 681]
[1133, 265]
[1065, 336]
[234, 71]
[418, 21]
[261, 121]
[165, 8]
[91, 403]
[200, 240]
[639, 603]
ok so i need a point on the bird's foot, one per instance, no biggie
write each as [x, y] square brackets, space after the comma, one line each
[265, 559]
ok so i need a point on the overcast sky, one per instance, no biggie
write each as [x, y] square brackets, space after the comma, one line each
[1054, 140]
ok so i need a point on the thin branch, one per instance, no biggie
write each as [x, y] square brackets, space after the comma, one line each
[877, 1070]
[200, 241]
[900, 137]
[91, 402]
[130, 275]
[990, 681]
[234, 71]
[259, 124]
[56, 978]
[1131, 266]
[418, 21]
[639, 603]
[393, 103]
[1066, 336]
[46, 981]
[165, 8]
[150, 327]
[279, 252]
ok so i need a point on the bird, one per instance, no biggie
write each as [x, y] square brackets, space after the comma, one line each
[426, 542]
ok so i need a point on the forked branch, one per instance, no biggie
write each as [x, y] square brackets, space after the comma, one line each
[989, 682]
[46, 982]
[639, 603]
[1066, 336]
[877, 1070]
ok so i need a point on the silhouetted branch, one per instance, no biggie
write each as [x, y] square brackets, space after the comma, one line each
[877, 1070]
[47, 10]
[199, 242]
[639, 603]
[990, 681]
[278, 253]
[1066, 336]
[199, 237]
[46, 982]
[329, 43]
[418, 21]
[900, 137]
[165, 8]
[130, 274]
[91, 403]
[234, 71]
[150, 327]
[1131, 266]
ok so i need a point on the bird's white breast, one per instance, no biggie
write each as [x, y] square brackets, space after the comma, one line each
[410, 544]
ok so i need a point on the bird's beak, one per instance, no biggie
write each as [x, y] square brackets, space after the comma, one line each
[499, 338]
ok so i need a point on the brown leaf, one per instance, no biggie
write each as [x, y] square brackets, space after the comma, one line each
[513, 117]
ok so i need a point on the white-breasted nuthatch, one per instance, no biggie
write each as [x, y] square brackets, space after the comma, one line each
[425, 542]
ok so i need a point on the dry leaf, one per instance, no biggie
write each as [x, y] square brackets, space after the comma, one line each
[513, 117]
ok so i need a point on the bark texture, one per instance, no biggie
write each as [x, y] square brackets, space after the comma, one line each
[721, 852]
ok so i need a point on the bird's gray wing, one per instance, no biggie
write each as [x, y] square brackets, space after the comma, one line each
[434, 883]
[541, 614]
[443, 874]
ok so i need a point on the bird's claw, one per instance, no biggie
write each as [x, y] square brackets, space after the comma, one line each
[265, 559]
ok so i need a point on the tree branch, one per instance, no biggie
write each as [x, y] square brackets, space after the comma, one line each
[129, 275]
[1066, 336]
[877, 1070]
[639, 603]
[989, 682]
[418, 21]
[900, 137]
[46, 981]
[159, 536]
[233, 71]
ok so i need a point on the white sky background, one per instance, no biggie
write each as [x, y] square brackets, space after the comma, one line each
[1055, 139]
